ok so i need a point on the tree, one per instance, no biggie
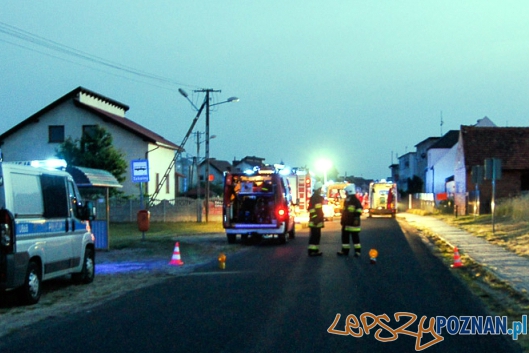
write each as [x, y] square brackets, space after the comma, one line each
[94, 150]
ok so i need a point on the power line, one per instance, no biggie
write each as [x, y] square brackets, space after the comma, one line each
[64, 49]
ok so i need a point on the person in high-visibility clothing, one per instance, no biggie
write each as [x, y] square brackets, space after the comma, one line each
[315, 220]
[352, 210]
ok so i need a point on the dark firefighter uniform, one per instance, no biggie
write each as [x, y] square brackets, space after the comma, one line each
[315, 222]
[352, 210]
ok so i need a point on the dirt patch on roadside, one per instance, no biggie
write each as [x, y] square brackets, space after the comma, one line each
[117, 272]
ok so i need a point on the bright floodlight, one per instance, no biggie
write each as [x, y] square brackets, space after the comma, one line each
[324, 165]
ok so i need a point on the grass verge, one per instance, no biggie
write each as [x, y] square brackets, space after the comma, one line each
[499, 298]
[127, 235]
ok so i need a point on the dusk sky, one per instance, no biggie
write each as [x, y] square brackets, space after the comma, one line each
[356, 82]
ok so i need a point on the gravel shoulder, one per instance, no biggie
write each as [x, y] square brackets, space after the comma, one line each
[117, 272]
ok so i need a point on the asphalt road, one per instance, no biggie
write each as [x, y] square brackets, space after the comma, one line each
[274, 298]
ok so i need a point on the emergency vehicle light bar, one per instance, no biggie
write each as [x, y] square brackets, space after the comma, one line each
[45, 163]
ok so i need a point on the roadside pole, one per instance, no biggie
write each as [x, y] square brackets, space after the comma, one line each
[140, 174]
[493, 173]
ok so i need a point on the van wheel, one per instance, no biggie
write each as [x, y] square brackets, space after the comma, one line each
[31, 289]
[231, 238]
[88, 271]
[283, 238]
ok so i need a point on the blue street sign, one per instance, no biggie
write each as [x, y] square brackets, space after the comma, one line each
[140, 170]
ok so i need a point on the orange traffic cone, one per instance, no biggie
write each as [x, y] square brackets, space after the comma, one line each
[457, 258]
[175, 260]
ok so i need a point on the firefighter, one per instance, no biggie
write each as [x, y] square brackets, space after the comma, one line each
[315, 220]
[352, 210]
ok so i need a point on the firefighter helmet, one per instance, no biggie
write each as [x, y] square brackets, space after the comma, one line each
[318, 185]
[350, 189]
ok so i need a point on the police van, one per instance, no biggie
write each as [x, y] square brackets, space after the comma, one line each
[44, 229]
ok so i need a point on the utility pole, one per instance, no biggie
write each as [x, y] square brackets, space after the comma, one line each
[197, 161]
[207, 100]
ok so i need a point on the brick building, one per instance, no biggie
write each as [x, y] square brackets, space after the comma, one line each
[510, 145]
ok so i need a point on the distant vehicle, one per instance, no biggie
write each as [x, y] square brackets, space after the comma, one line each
[258, 203]
[336, 196]
[44, 229]
[328, 210]
[300, 182]
[382, 198]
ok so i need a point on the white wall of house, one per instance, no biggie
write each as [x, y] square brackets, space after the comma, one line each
[407, 169]
[159, 160]
[31, 143]
[460, 178]
[441, 162]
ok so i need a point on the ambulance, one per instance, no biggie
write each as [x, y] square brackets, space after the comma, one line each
[382, 198]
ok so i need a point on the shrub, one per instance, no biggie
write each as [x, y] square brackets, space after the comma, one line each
[516, 208]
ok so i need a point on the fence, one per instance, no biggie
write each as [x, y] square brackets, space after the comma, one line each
[428, 202]
[182, 209]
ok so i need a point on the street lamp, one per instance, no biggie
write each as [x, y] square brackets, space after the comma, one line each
[208, 106]
[229, 100]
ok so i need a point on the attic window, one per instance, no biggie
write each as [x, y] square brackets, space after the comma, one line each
[56, 133]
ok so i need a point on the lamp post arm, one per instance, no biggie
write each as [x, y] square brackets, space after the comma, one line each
[176, 156]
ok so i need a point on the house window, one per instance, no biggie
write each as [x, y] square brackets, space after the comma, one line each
[167, 185]
[89, 130]
[56, 133]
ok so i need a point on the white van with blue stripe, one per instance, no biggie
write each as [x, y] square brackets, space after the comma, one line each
[44, 230]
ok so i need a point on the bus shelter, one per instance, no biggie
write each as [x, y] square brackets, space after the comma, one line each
[94, 184]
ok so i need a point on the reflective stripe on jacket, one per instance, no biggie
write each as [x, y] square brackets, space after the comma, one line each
[316, 211]
[352, 210]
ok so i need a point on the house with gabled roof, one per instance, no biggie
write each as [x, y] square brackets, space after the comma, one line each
[216, 170]
[407, 170]
[422, 158]
[248, 162]
[75, 113]
[477, 143]
[441, 159]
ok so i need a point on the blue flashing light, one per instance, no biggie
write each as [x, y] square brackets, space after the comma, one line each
[49, 164]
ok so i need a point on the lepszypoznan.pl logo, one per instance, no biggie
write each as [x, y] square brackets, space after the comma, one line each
[433, 327]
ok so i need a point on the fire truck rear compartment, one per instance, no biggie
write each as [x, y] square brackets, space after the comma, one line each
[253, 209]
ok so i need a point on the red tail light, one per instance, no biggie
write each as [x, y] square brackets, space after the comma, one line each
[282, 214]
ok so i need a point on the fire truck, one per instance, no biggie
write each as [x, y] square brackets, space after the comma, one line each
[300, 182]
[382, 198]
[258, 203]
